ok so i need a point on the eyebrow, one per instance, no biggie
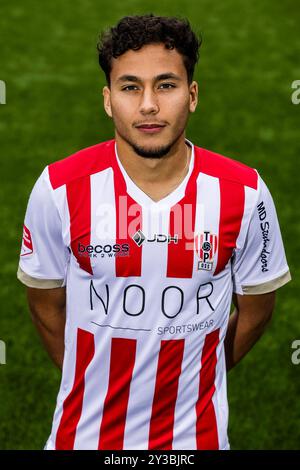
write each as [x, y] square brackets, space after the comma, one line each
[162, 76]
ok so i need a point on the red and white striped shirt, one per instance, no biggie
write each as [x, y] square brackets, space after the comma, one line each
[149, 288]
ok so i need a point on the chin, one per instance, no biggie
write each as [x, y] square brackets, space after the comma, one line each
[151, 151]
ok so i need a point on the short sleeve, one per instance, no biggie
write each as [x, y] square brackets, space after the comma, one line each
[259, 265]
[44, 257]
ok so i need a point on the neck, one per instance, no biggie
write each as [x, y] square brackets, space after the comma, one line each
[155, 171]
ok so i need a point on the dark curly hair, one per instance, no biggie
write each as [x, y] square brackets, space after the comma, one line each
[134, 32]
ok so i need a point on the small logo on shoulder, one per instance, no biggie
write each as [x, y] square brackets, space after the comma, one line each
[27, 246]
[206, 245]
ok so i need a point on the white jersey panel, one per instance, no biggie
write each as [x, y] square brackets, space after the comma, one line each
[260, 258]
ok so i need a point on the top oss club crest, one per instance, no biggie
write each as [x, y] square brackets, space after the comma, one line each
[206, 245]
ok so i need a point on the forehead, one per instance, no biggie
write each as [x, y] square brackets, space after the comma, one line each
[149, 61]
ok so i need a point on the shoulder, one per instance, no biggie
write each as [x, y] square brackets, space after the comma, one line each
[225, 168]
[82, 163]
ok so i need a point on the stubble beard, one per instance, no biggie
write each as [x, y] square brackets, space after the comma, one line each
[152, 152]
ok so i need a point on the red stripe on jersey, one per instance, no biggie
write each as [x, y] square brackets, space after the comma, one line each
[165, 395]
[112, 427]
[128, 222]
[182, 223]
[72, 406]
[85, 162]
[217, 165]
[232, 201]
[206, 424]
[79, 202]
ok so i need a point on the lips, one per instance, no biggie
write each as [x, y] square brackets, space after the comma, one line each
[150, 130]
[150, 126]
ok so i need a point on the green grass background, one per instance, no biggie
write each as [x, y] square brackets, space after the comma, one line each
[249, 58]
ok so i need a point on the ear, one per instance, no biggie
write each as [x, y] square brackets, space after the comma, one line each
[106, 100]
[193, 96]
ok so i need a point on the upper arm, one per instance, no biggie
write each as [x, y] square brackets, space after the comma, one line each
[257, 309]
[42, 299]
[48, 308]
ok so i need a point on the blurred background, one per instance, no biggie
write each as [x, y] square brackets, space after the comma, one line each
[248, 60]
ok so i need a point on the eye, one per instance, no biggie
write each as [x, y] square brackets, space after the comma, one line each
[167, 86]
[129, 87]
[164, 86]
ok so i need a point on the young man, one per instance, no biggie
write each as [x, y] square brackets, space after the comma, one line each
[133, 250]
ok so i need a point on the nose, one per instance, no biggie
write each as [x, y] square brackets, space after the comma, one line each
[149, 102]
